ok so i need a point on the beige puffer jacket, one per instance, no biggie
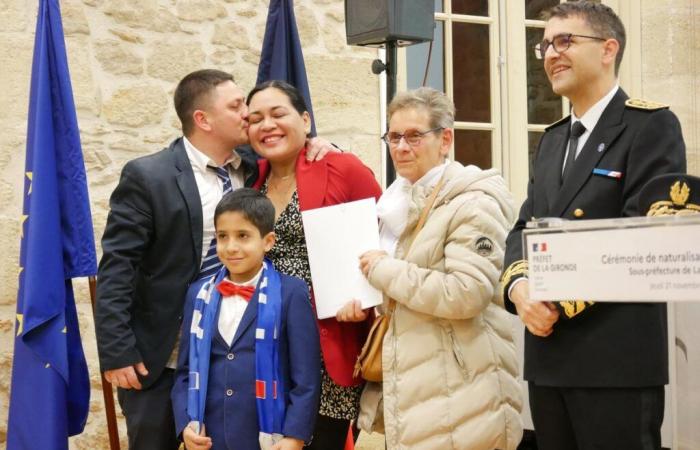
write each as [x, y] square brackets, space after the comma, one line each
[449, 357]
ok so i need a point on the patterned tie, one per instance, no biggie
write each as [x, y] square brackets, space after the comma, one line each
[229, 289]
[577, 129]
[211, 263]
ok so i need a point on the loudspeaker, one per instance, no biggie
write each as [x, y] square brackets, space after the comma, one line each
[373, 23]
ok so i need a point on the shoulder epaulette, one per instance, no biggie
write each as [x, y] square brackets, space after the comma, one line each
[638, 103]
[558, 122]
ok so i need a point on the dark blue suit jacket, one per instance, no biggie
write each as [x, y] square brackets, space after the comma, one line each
[151, 251]
[230, 413]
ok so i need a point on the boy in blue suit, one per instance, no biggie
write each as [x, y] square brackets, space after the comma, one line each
[248, 370]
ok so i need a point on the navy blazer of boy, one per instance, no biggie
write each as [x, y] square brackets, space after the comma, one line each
[230, 414]
[603, 344]
[152, 250]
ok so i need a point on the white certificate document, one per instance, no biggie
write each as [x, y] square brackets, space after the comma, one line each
[336, 236]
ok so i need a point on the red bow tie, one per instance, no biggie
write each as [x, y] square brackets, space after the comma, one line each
[228, 289]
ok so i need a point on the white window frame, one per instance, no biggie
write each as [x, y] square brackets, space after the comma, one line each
[494, 126]
[509, 138]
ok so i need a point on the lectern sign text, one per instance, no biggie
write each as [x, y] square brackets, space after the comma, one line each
[653, 263]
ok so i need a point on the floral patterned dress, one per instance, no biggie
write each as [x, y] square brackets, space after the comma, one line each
[290, 256]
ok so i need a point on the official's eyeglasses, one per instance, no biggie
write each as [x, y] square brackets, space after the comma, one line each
[412, 137]
[560, 43]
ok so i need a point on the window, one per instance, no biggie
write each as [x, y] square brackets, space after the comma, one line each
[464, 48]
[543, 106]
[482, 58]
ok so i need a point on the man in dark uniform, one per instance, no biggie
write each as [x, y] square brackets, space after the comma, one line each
[596, 372]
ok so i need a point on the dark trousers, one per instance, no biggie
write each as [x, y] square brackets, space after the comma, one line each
[597, 418]
[329, 434]
[149, 415]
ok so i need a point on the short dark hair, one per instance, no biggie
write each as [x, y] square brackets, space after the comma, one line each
[601, 18]
[292, 93]
[193, 90]
[254, 206]
[439, 107]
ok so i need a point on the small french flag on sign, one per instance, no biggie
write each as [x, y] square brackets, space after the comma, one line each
[539, 247]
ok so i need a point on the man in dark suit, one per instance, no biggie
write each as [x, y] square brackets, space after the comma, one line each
[595, 371]
[158, 235]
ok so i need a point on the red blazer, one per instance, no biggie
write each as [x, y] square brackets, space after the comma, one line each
[337, 178]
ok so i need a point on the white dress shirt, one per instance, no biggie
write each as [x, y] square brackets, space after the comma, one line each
[210, 187]
[231, 310]
[589, 120]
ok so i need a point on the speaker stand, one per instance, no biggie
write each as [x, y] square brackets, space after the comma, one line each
[378, 67]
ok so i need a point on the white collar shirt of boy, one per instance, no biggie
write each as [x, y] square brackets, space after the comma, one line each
[231, 311]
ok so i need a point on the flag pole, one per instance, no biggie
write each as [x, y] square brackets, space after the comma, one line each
[107, 391]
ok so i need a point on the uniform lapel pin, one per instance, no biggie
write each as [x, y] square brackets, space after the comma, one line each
[607, 173]
[601, 147]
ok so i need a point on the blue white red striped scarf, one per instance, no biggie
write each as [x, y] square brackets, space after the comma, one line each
[269, 384]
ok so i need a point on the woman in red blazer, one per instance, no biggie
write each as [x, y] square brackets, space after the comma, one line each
[278, 126]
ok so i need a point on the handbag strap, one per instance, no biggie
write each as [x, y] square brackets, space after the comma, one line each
[421, 221]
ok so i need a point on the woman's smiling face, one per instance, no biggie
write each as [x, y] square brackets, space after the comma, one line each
[277, 131]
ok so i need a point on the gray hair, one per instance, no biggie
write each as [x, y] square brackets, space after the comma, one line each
[439, 107]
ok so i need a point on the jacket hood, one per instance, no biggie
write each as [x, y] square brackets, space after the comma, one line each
[460, 179]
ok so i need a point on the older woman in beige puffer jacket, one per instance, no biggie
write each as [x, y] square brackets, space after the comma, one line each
[448, 358]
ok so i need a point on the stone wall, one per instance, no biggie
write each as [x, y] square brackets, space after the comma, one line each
[671, 64]
[125, 58]
[671, 74]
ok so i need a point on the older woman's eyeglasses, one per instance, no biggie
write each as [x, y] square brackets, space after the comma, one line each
[412, 137]
[560, 43]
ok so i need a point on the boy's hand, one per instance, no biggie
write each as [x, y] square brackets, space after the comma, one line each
[351, 312]
[317, 148]
[288, 443]
[194, 441]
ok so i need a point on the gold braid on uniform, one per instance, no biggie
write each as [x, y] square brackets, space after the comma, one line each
[571, 308]
[678, 205]
[516, 270]
[519, 268]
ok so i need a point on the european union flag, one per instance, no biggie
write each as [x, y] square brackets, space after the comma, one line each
[50, 384]
[281, 57]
